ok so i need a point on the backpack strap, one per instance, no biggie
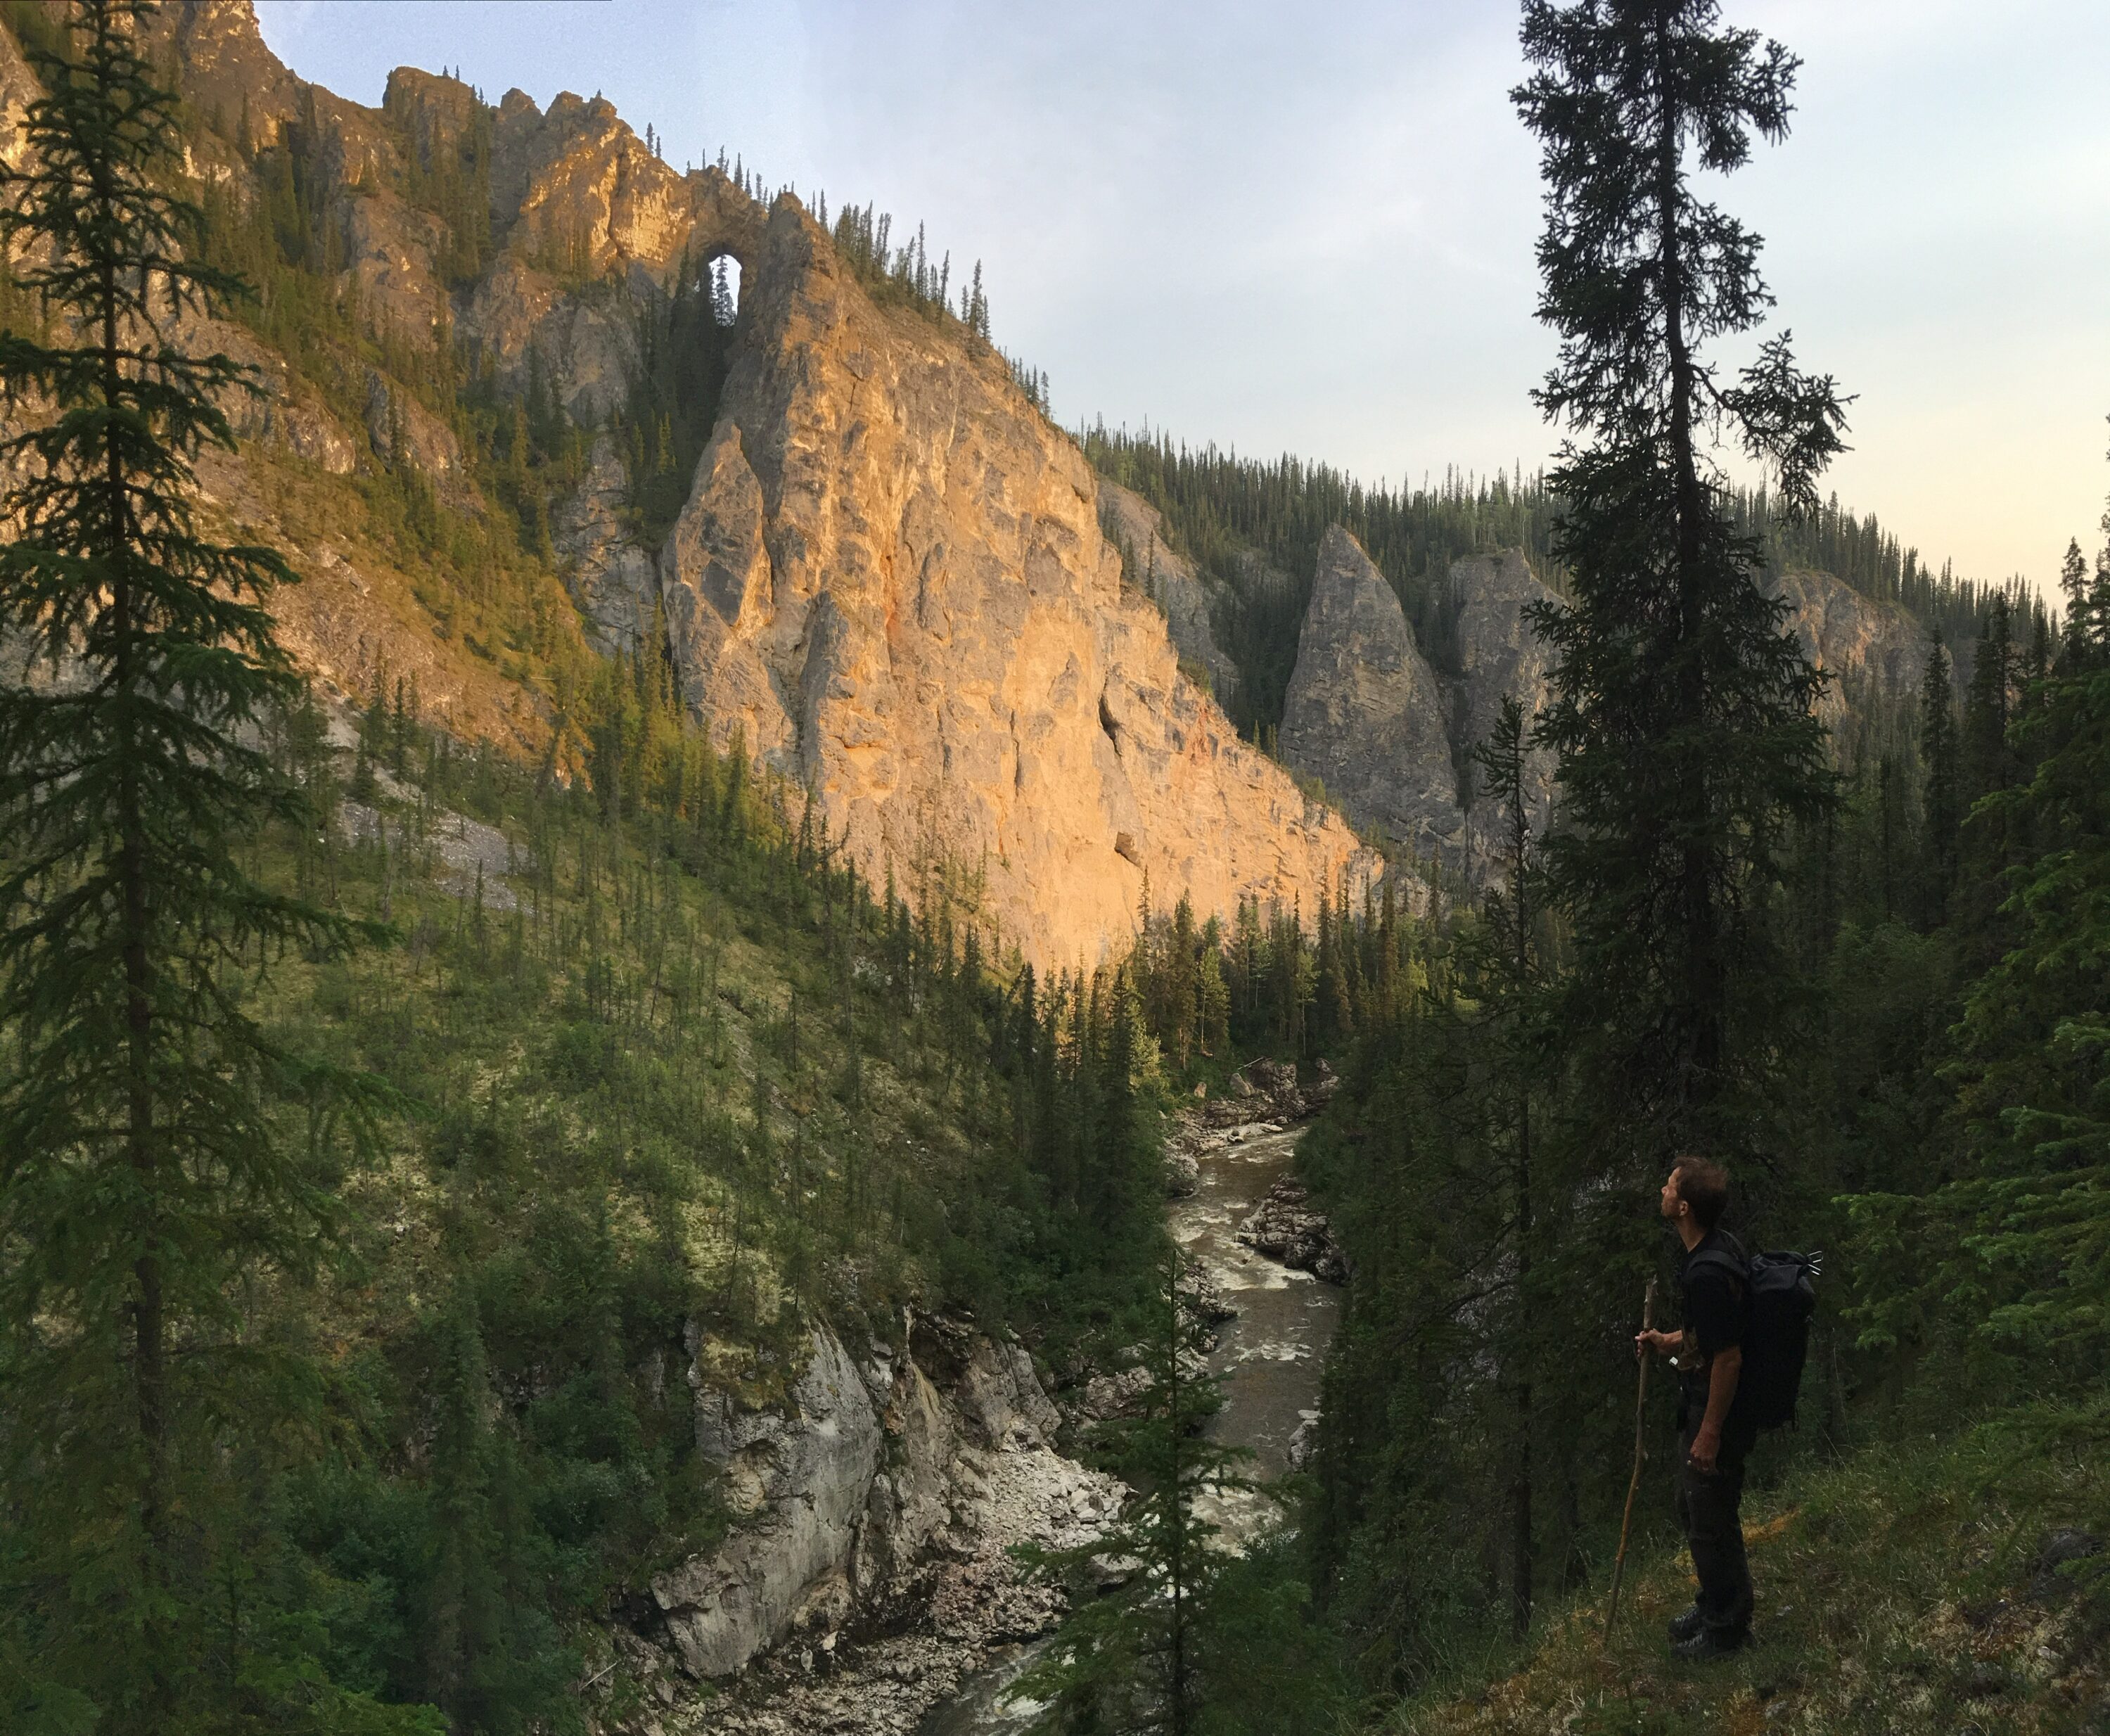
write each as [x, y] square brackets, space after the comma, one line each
[1727, 1261]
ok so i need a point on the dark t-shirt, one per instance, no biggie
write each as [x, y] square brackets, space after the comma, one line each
[1714, 1300]
[1714, 1313]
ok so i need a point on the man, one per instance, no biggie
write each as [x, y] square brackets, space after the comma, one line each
[1709, 1355]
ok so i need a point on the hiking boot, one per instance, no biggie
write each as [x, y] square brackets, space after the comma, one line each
[1683, 1627]
[1708, 1645]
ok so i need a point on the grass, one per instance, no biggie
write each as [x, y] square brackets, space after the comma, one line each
[1900, 1591]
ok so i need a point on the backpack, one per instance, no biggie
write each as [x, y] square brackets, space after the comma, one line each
[1780, 1294]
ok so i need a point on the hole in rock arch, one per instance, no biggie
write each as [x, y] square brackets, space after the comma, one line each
[723, 272]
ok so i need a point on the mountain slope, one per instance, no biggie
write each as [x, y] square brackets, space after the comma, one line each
[1913, 1591]
[495, 358]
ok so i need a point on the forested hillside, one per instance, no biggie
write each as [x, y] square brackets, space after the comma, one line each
[1222, 510]
[512, 1221]
[516, 1060]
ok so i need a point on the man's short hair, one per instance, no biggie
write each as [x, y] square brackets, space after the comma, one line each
[1704, 1186]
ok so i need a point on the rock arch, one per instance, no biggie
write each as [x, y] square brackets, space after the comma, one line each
[727, 224]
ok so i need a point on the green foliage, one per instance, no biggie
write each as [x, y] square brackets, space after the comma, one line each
[2018, 1237]
[1191, 1638]
[1682, 710]
[157, 1179]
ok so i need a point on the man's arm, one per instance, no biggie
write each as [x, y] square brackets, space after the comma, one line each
[1722, 1374]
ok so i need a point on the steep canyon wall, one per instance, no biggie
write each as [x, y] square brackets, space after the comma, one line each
[891, 579]
[1391, 737]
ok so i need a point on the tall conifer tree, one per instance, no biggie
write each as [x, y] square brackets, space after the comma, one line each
[1682, 710]
[1940, 799]
[143, 1185]
[1507, 968]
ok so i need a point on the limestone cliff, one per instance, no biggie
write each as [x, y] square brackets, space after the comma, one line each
[1867, 648]
[890, 577]
[1170, 580]
[1365, 713]
[1389, 736]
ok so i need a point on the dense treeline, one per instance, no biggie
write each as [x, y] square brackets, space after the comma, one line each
[1877, 993]
[1223, 511]
[1859, 552]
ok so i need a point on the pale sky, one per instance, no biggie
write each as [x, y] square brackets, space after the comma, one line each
[1311, 228]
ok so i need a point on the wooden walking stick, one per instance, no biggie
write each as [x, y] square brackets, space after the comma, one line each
[1640, 1452]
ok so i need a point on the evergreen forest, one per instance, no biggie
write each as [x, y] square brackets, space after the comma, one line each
[403, 1123]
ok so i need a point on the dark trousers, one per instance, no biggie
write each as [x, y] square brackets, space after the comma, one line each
[1708, 1502]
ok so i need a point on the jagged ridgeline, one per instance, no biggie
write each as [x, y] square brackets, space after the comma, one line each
[1254, 526]
[300, 200]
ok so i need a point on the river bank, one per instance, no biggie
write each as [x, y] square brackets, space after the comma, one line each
[1235, 1162]
[917, 1473]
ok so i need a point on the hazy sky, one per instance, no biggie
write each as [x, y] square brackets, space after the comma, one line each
[1311, 228]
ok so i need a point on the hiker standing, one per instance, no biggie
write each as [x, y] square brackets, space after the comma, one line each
[1716, 1431]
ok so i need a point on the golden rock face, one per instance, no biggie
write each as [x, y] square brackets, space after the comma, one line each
[890, 579]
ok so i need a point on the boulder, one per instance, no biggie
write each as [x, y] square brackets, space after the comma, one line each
[1284, 1226]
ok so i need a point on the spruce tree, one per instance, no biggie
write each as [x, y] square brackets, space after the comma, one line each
[1127, 1661]
[1505, 965]
[1681, 712]
[1939, 799]
[146, 1190]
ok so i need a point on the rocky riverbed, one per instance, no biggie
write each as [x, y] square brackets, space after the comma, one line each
[1272, 1260]
[871, 1591]
[1228, 1172]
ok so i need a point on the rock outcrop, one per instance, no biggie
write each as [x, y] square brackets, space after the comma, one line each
[611, 577]
[1501, 656]
[1868, 647]
[1392, 738]
[1285, 1226]
[801, 1478]
[876, 1505]
[891, 580]
[1365, 713]
[1170, 580]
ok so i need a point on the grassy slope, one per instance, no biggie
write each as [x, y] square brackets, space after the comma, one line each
[622, 1151]
[1898, 1592]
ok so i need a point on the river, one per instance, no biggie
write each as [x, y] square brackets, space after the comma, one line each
[1268, 1359]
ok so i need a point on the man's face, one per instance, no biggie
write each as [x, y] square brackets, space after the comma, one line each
[1672, 1206]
